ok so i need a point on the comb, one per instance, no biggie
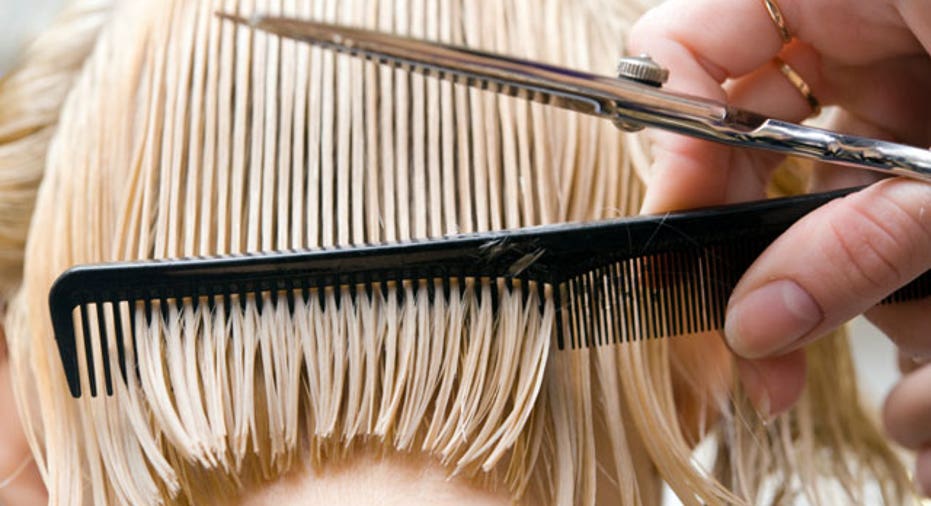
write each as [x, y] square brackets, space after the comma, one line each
[610, 281]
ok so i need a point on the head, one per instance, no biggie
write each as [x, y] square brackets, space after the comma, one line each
[185, 135]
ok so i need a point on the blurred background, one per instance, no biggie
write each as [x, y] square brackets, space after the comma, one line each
[19, 21]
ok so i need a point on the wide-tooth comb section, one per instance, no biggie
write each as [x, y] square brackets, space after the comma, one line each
[102, 331]
[610, 282]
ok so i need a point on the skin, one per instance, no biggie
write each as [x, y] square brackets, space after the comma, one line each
[871, 59]
[22, 485]
[368, 478]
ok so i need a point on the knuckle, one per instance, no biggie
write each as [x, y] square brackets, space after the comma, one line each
[915, 224]
[881, 238]
[866, 248]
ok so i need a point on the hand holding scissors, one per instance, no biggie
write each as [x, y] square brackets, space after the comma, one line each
[870, 59]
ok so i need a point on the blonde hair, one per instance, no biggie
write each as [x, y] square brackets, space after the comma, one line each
[184, 135]
[31, 96]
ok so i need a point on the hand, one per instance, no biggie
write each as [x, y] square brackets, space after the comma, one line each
[871, 59]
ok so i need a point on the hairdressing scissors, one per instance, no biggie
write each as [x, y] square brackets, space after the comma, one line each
[632, 101]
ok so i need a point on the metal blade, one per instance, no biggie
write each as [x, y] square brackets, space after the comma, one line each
[551, 85]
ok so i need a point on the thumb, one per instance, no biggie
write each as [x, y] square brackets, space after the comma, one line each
[832, 265]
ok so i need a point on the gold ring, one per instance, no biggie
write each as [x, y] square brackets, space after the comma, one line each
[799, 84]
[775, 13]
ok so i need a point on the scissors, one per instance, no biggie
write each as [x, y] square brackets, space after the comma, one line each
[633, 100]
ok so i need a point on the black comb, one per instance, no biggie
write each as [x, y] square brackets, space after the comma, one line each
[611, 281]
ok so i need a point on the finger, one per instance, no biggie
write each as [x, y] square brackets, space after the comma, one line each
[889, 95]
[909, 363]
[923, 471]
[907, 324]
[916, 15]
[832, 265]
[689, 172]
[768, 91]
[773, 384]
[907, 410]
[703, 47]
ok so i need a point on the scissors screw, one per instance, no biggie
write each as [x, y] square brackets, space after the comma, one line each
[642, 69]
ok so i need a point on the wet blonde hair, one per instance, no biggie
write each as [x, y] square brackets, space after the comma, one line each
[184, 135]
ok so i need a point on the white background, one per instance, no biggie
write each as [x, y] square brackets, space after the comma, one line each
[19, 20]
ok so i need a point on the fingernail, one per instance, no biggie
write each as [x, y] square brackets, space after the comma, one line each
[770, 318]
[753, 384]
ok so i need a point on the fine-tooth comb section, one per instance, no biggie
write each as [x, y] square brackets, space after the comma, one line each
[609, 282]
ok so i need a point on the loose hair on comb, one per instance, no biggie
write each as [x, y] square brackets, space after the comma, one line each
[187, 136]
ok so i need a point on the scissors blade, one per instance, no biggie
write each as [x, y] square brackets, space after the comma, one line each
[624, 101]
[549, 84]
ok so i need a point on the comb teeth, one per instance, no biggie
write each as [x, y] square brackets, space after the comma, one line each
[104, 330]
[610, 282]
[652, 297]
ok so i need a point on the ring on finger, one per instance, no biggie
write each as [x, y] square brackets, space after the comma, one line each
[803, 88]
[775, 13]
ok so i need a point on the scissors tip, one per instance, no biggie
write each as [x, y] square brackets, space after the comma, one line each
[285, 27]
[250, 21]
